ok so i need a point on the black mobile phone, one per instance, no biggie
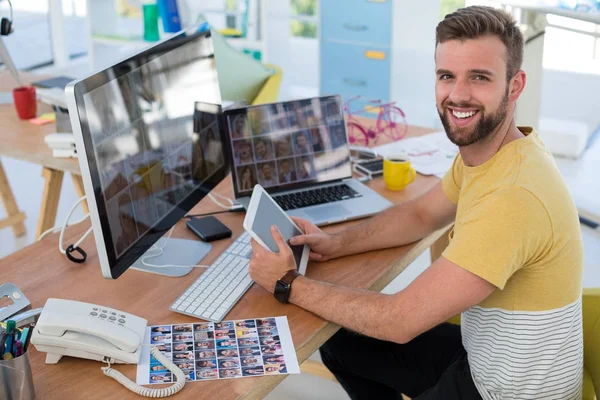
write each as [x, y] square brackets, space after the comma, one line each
[371, 168]
[209, 228]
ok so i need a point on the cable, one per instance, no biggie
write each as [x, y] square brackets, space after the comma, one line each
[11, 11]
[223, 197]
[149, 392]
[217, 202]
[160, 251]
[64, 226]
[233, 207]
[189, 216]
[56, 229]
[74, 247]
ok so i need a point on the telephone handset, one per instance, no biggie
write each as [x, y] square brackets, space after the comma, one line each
[77, 329]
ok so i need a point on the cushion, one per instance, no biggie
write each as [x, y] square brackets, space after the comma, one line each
[240, 76]
[588, 386]
[564, 137]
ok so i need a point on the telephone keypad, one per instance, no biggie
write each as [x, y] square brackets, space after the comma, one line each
[108, 315]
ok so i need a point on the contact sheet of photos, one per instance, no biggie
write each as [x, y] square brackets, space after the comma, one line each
[228, 349]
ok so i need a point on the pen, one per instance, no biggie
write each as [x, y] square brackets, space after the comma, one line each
[18, 349]
[25, 339]
[2, 342]
[10, 327]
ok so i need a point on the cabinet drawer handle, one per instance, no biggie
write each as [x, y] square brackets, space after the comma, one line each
[375, 55]
[355, 82]
[356, 28]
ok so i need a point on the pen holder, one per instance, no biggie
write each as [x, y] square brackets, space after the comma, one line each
[16, 381]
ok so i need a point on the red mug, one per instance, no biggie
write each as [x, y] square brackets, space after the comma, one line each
[25, 102]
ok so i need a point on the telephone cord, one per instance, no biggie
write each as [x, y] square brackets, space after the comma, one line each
[149, 392]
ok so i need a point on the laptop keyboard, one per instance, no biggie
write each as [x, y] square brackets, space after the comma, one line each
[313, 197]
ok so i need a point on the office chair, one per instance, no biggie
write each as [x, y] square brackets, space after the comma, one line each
[591, 343]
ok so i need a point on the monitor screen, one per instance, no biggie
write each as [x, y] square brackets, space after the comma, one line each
[152, 139]
[288, 145]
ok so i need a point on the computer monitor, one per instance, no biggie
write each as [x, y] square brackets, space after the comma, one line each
[149, 141]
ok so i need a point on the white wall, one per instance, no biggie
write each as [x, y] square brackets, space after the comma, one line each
[413, 66]
[571, 96]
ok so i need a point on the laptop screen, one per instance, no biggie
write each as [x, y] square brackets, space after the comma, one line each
[288, 145]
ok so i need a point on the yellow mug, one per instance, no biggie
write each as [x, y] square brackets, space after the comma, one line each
[397, 172]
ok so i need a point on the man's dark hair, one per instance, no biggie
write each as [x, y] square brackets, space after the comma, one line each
[477, 21]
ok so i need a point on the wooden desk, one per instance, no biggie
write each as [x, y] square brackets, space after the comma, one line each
[42, 272]
[23, 140]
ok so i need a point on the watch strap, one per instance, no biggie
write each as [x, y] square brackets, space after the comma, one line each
[289, 276]
[283, 287]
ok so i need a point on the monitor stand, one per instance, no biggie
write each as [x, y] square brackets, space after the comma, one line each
[176, 252]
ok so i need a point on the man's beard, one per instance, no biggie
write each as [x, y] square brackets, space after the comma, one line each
[486, 125]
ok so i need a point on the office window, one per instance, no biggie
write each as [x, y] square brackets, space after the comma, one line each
[597, 48]
[29, 46]
[570, 44]
[74, 14]
[304, 18]
[449, 6]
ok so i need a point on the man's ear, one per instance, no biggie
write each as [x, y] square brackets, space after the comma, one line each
[517, 85]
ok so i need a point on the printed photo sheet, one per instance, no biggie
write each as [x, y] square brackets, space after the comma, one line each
[229, 349]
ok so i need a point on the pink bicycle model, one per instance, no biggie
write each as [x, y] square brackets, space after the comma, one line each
[391, 123]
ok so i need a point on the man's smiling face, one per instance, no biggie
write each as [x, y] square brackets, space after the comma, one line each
[471, 87]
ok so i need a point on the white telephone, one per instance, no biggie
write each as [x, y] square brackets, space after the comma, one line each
[76, 329]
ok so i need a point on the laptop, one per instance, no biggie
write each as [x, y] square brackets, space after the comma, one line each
[298, 152]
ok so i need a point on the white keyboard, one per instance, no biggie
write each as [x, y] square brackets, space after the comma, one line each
[217, 290]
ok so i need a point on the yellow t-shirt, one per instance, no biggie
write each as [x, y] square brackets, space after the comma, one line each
[517, 227]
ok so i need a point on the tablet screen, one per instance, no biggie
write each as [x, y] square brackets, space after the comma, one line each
[268, 214]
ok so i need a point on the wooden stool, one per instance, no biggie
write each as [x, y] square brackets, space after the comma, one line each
[15, 217]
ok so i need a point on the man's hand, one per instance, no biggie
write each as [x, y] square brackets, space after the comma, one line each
[323, 246]
[266, 267]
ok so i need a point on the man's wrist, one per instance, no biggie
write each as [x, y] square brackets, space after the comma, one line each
[296, 293]
[339, 244]
[283, 286]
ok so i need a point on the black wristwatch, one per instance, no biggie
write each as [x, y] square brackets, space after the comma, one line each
[283, 287]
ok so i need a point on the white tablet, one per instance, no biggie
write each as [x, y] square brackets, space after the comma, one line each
[263, 213]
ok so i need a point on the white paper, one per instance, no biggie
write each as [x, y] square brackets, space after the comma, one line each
[430, 154]
[229, 349]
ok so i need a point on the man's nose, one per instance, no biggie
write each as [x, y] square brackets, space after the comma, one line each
[460, 93]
